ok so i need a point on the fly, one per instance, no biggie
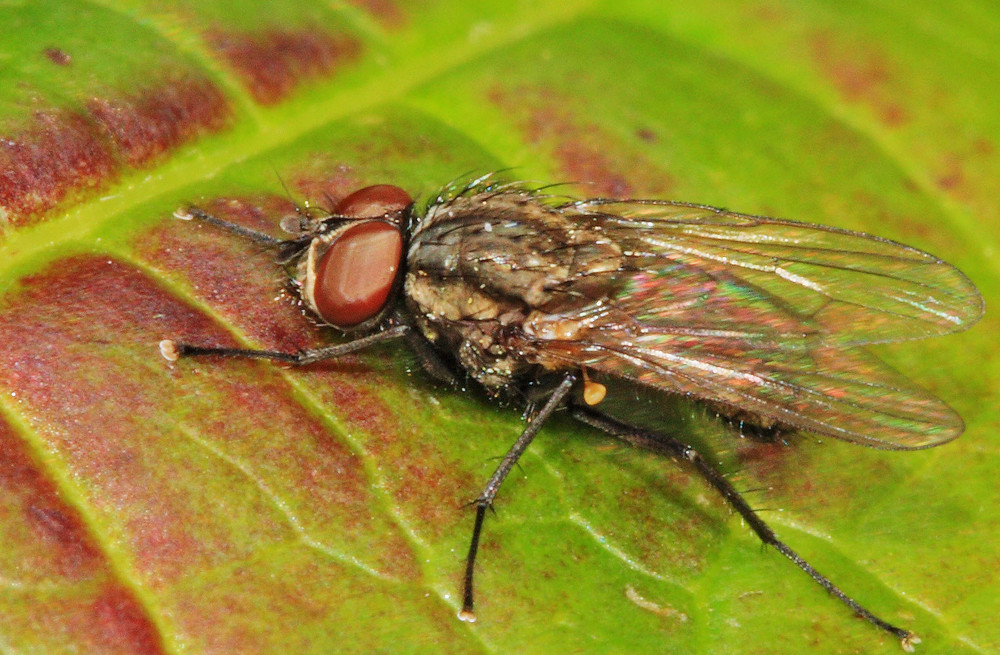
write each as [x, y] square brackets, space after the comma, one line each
[762, 318]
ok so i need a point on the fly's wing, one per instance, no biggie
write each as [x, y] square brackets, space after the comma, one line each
[846, 394]
[856, 288]
[761, 314]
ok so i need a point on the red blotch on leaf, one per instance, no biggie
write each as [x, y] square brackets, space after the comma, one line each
[338, 181]
[152, 123]
[62, 553]
[983, 146]
[122, 620]
[384, 11]
[62, 545]
[585, 152]
[862, 75]
[63, 377]
[92, 380]
[961, 169]
[61, 152]
[766, 460]
[273, 63]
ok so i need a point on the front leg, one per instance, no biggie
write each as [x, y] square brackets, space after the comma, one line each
[430, 360]
[172, 350]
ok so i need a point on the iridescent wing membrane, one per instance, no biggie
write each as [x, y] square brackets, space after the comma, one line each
[766, 316]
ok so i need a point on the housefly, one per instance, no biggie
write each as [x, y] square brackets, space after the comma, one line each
[514, 288]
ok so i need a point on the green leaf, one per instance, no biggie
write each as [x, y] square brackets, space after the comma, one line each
[231, 506]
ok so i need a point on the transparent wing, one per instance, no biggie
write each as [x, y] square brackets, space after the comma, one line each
[763, 314]
[847, 394]
[851, 288]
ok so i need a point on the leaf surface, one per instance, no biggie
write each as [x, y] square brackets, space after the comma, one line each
[229, 506]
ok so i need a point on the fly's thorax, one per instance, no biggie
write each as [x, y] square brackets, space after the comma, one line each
[478, 266]
[469, 323]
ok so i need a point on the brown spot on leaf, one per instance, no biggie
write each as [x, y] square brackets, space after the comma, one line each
[57, 56]
[273, 63]
[960, 171]
[384, 11]
[646, 134]
[952, 177]
[782, 474]
[862, 74]
[586, 153]
[768, 13]
[154, 122]
[585, 164]
[62, 152]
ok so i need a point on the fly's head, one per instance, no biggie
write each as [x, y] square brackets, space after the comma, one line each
[348, 265]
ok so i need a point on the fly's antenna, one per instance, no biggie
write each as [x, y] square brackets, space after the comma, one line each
[288, 192]
[196, 213]
[301, 211]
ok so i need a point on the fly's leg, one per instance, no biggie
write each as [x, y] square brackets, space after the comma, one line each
[429, 358]
[666, 445]
[172, 351]
[485, 499]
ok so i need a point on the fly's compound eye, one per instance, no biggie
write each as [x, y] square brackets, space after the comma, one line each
[350, 281]
[374, 201]
[350, 271]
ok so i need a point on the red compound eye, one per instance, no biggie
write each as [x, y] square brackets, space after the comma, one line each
[374, 201]
[356, 274]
